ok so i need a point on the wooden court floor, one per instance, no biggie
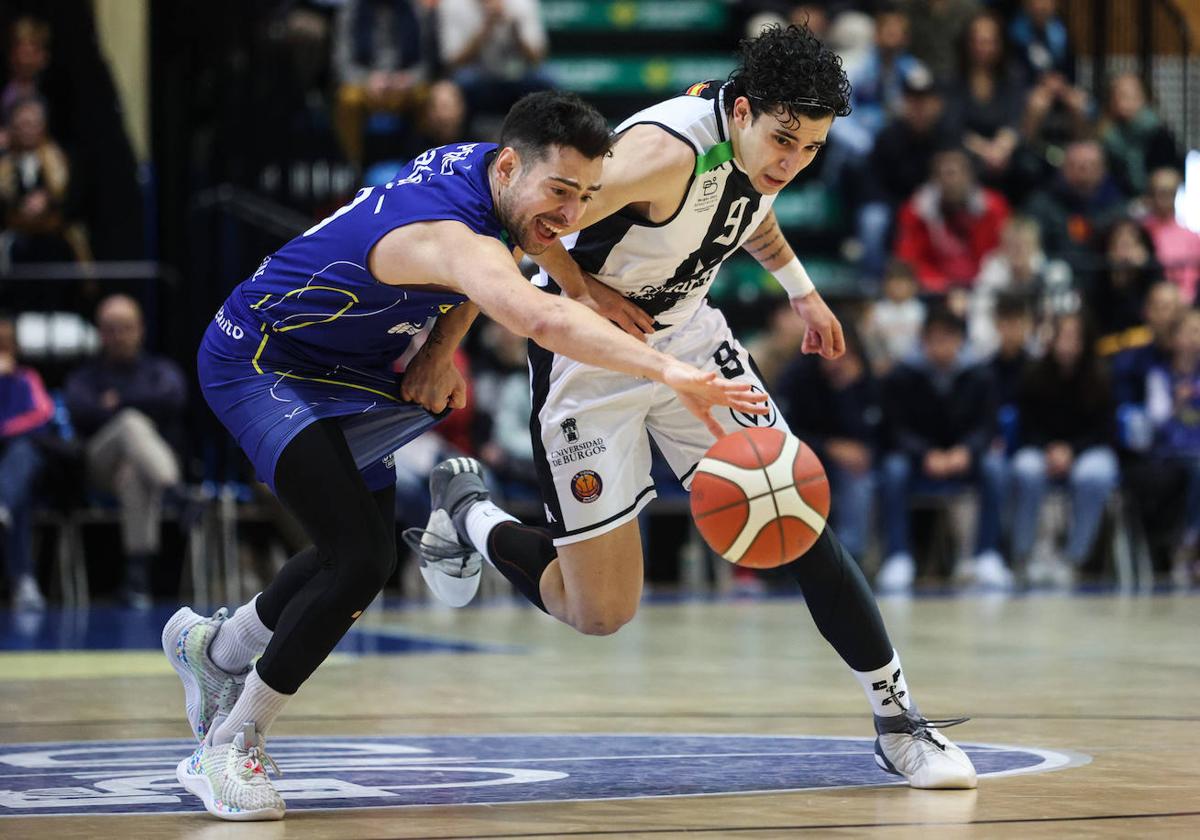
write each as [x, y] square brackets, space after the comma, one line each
[1111, 682]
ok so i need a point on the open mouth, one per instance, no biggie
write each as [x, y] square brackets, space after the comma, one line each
[544, 231]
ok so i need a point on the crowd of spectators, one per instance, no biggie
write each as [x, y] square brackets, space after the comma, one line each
[1025, 319]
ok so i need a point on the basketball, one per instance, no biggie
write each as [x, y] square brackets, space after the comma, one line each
[760, 498]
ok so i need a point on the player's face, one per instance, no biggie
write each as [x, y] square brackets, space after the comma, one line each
[541, 198]
[771, 148]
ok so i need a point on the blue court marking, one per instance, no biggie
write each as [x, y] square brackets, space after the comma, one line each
[124, 777]
[114, 628]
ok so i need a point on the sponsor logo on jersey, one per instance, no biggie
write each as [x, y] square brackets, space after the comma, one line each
[576, 451]
[586, 486]
[570, 430]
[410, 327]
[389, 461]
[227, 326]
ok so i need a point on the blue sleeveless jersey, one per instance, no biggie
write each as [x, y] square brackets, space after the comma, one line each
[313, 334]
[315, 296]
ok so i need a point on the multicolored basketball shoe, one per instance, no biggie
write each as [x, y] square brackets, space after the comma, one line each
[231, 779]
[908, 745]
[208, 692]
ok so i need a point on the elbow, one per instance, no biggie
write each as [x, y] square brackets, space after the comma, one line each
[543, 324]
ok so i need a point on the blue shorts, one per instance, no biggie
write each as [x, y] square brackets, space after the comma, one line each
[265, 393]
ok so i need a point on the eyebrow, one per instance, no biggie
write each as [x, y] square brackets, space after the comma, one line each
[573, 183]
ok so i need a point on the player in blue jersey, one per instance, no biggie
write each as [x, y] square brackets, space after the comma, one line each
[297, 364]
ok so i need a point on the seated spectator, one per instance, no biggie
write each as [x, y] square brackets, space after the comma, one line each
[34, 176]
[127, 405]
[1081, 200]
[987, 96]
[441, 116]
[937, 26]
[892, 326]
[1139, 351]
[1116, 294]
[876, 83]
[1176, 247]
[1041, 42]
[1067, 434]
[940, 413]
[1019, 267]
[493, 50]
[377, 61]
[25, 407]
[947, 228]
[1135, 138]
[774, 348]
[1012, 324]
[834, 406]
[28, 57]
[900, 162]
[1167, 485]
[504, 390]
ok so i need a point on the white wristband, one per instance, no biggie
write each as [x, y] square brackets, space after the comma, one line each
[794, 279]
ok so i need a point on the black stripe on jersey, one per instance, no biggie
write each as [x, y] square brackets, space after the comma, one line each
[540, 362]
[698, 267]
[596, 242]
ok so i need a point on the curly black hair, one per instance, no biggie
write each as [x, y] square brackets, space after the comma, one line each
[789, 68]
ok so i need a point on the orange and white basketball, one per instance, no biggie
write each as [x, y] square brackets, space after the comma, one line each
[760, 498]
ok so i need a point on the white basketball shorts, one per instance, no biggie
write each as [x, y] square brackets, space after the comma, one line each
[591, 427]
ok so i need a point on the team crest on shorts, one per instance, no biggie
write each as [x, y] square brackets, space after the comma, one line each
[586, 486]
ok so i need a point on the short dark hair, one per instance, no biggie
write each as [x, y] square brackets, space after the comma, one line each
[555, 118]
[789, 68]
[944, 317]
[1012, 305]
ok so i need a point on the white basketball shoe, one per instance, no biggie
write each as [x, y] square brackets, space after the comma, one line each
[231, 779]
[908, 745]
[208, 692]
[450, 566]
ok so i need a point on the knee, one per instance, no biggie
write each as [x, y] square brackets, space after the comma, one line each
[601, 619]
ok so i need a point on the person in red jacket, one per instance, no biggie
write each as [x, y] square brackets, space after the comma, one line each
[949, 225]
[25, 407]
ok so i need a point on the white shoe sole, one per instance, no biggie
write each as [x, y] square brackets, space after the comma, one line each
[191, 687]
[200, 786]
[450, 590]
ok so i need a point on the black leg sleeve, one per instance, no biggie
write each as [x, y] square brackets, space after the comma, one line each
[521, 554]
[842, 604]
[354, 538]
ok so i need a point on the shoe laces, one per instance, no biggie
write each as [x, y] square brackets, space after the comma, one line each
[920, 727]
[257, 759]
[424, 541]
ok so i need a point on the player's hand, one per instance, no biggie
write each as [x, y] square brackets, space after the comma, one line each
[433, 382]
[822, 330]
[607, 301]
[700, 392]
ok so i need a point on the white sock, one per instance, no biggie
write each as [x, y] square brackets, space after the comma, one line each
[241, 638]
[886, 689]
[481, 518]
[259, 704]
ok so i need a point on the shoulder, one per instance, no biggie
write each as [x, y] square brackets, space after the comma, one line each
[657, 144]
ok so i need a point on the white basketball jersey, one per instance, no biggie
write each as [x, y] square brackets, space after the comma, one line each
[667, 267]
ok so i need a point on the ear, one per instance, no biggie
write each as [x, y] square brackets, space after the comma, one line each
[508, 161]
[742, 115]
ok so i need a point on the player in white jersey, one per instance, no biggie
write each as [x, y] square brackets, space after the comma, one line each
[690, 181]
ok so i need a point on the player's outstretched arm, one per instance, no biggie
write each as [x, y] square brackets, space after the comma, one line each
[823, 331]
[449, 255]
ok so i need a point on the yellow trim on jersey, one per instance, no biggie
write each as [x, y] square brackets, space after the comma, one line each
[289, 375]
[353, 300]
[261, 345]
